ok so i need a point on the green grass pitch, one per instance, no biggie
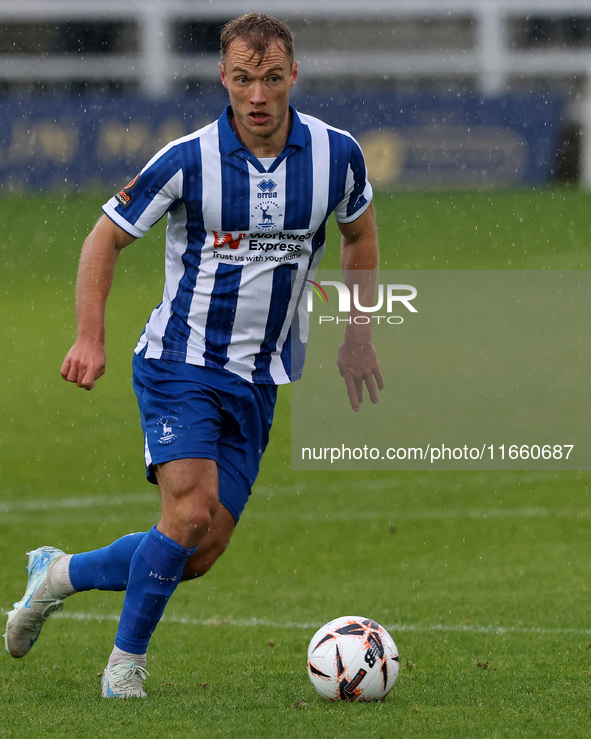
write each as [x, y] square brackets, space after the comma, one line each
[481, 578]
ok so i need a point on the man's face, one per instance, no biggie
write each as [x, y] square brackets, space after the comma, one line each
[259, 95]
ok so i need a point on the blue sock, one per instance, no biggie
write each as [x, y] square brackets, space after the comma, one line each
[106, 568]
[156, 569]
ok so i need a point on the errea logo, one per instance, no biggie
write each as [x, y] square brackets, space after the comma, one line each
[267, 185]
[267, 189]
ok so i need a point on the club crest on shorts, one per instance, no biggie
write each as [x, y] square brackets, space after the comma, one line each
[168, 435]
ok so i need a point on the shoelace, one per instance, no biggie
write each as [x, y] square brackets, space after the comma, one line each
[127, 677]
[53, 605]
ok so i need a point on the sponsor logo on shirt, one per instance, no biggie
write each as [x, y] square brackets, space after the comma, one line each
[124, 196]
[263, 246]
[227, 239]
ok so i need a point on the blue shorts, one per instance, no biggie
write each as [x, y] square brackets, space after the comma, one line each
[201, 412]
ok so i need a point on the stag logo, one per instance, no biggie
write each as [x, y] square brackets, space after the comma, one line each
[168, 435]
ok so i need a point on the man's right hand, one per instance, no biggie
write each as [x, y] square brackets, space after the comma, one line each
[84, 364]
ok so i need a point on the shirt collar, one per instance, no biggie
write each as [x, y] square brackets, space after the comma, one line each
[230, 143]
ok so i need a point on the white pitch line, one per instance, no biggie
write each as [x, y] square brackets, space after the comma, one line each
[18, 506]
[82, 503]
[393, 628]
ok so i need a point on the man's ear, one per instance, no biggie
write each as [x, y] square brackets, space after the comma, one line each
[223, 75]
[294, 74]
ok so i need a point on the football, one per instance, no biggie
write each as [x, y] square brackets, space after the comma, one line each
[353, 659]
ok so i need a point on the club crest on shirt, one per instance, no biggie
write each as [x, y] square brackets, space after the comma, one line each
[267, 203]
[268, 211]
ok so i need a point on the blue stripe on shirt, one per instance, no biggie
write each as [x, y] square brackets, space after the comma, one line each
[148, 184]
[221, 313]
[357, 198]
[283, 277]
[338, 169]
[235, 193]
[176, 335]
[299, 187]
[293, 352]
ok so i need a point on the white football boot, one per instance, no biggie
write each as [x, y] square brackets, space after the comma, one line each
[124, 680]
[26, 619]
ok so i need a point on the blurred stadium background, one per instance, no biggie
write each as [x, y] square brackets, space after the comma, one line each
[439, 92]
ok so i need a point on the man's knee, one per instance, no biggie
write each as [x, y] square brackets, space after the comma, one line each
[189, 498]
[212, 546]
[198, 510]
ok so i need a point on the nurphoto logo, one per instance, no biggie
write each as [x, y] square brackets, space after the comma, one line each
[389, 297]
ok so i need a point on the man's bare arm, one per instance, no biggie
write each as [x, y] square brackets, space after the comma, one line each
[85, 362]
[357, 360]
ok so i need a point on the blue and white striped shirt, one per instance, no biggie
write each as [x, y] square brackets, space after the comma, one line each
[243, 236]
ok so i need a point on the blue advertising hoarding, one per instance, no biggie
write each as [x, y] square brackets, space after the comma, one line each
[410, 141]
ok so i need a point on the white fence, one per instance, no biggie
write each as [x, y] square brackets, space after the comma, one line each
[491, 59]
[484, 52]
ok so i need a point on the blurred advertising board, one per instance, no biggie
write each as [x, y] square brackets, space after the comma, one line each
[410, 141]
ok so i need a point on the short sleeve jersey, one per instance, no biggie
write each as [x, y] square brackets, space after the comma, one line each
[243, 237]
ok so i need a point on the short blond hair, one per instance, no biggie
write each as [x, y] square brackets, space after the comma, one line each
[258, 31]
